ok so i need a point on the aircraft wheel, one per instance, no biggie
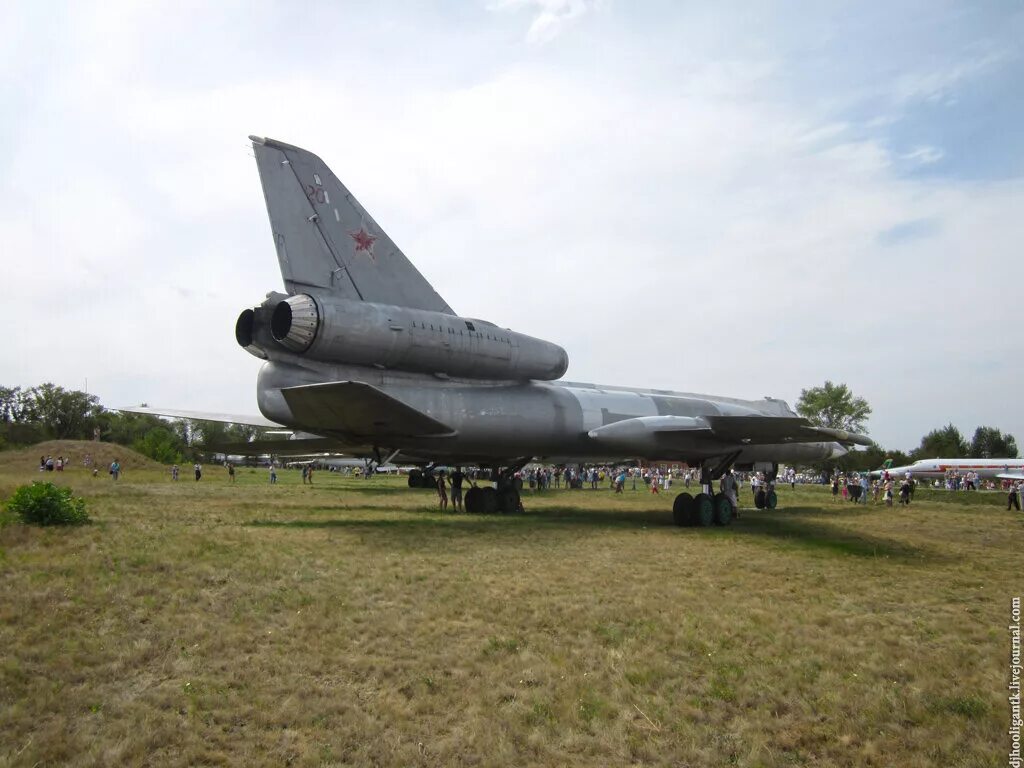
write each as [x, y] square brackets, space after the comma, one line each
[723, 509]
[508, 500]
[759, 499]
[771, 500]
[488, 500]
[703, 510]
[471, 502]
[415, 478]
[682, 509]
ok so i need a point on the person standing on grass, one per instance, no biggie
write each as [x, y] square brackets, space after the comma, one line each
[905, 492]
[442, 493]
[231, 472]
[456, 483]
[115, 469]
[198, 471]
[1012, 499]
[727, 485]
[174, 473]
[273, 474]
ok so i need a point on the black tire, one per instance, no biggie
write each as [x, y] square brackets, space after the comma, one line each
[703, 510]
[759, 499]
[682, 510]
[471, 503]
[771, 500]
[508, 500]
[415, 478]
[723, 509]
[488, 500]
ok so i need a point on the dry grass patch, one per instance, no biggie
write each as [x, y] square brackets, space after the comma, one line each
[350, 623]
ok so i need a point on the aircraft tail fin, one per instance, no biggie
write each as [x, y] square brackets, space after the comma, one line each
[326, 241]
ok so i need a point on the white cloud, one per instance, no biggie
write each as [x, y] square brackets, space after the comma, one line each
[924, 155]
[551, 17]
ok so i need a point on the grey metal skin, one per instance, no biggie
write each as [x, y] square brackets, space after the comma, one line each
[495, 422]
[362, 353]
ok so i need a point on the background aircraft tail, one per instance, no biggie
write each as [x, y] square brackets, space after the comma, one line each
[326, 241]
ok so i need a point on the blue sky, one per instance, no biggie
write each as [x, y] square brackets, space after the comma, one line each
[737, 198]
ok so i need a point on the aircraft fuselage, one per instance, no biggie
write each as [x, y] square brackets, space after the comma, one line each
[497, 419]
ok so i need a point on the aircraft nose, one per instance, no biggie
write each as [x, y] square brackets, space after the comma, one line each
[838, 451]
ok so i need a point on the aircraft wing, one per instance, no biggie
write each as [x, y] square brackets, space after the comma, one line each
[1010, 476]
[226, 418]
[358, 409]
[775, 429]
[741, 430]
[283, 447]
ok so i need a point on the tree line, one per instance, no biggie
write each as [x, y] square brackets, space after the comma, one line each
[836, 407]
[49, 412]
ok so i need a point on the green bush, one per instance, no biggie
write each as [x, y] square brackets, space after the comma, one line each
[47, 504]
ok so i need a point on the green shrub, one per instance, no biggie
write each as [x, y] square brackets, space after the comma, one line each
[47, 504]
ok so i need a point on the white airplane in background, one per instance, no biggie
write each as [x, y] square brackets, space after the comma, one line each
[1000, 469]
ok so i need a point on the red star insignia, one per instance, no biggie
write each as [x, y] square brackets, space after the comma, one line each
[364, 240]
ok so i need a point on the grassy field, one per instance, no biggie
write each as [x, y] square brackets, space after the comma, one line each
[350, 623]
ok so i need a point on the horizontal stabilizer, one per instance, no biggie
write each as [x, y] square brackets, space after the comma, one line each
[358, 409]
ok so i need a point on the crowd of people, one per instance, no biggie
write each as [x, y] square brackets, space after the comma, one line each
[857, 488]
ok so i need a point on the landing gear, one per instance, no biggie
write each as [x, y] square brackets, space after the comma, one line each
[508, 500]
[703, 510]
[766, 497]
[682, 509]
[488, 500]
[724, 511]
[423, 478]
[504, 498]
[706, 508]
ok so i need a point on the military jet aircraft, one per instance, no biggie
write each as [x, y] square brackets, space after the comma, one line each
[363, 356]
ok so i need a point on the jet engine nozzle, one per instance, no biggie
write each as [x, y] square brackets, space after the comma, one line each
[295, 321]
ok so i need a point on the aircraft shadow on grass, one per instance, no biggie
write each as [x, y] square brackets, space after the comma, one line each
[789, 526]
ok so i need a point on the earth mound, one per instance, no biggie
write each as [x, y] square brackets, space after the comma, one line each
[102, 454]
